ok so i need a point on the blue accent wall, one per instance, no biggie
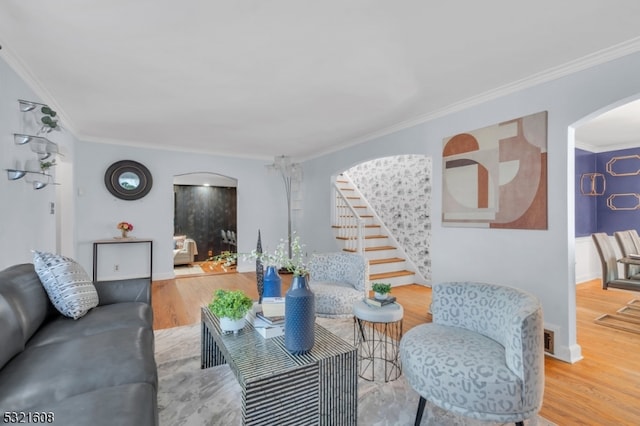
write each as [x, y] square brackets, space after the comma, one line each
[586, 219]
[592, 212]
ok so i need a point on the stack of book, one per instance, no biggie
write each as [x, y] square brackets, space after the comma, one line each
[279, 320]
[380, 302]
[273, 306]
[267, 326]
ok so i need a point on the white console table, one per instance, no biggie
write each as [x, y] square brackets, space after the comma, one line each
[113, 241]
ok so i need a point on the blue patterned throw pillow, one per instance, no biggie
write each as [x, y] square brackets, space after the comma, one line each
[68, 285]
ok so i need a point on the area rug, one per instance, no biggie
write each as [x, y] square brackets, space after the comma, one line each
[216, 267]
[185, 270]
[203, 268]
[189, 396]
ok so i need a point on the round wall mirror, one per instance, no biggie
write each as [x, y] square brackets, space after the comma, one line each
[128, 180]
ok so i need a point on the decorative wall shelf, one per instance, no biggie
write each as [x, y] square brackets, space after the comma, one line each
[26, 106]
[40, 180]
[22, 139]
[38, 144]
[44, 148]
[40, 119]
[14, 174]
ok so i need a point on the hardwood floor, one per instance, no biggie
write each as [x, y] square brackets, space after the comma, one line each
[601, 389]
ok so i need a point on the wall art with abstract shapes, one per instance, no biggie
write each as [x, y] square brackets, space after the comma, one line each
[496, 177]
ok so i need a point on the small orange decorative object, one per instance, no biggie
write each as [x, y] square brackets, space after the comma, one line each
[125, 227]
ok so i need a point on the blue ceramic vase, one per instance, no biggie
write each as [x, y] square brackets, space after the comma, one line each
[271, 283]
[299, 317]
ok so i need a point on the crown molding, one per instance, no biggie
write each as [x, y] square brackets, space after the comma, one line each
[34, 84]
[606, 148]
[597, 58]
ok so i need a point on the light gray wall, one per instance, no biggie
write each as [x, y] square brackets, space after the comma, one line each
[25, 220]
[541, 262]
[261, 201]
[85, 211]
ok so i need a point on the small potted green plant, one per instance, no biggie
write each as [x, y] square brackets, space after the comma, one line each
[381, 290]
[49, 120]
[231, 306]
[46, 165]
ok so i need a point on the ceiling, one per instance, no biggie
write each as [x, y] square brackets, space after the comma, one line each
[205, 179]
[288, 77]
[618, 128]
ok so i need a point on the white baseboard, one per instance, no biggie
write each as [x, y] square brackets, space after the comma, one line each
[570, 354]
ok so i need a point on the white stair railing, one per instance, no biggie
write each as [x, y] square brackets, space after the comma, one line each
[348, 224]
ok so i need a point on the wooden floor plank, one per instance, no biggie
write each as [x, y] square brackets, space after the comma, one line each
[602, 389]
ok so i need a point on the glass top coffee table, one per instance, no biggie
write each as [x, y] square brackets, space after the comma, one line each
[279, 388]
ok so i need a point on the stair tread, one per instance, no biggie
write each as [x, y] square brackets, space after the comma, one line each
[376, 248]
[373, 248]
[385, 260]
[353, 226]
[392, 274]
[352, 196]
[366, 237]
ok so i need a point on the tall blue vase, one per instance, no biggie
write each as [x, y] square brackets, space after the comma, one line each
[271, 283]
[299, 317]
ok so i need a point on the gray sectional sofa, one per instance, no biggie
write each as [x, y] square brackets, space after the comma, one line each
[95, 370]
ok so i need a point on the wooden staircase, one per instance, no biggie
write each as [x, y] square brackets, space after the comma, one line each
[386, 264]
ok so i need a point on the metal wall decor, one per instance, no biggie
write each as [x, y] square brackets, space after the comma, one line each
[630, 162]
[128, 180]
[592, 184]
[627, 201]
[624, 165]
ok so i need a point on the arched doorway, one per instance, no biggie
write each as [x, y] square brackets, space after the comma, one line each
[205, 215]
[610, 132]
[396, 191]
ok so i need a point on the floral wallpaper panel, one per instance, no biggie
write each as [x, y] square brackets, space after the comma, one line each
[398, 188]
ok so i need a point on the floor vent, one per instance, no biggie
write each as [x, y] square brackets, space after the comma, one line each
[548, 341]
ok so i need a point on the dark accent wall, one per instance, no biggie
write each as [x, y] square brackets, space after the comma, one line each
[201, 212]
[592, 212]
